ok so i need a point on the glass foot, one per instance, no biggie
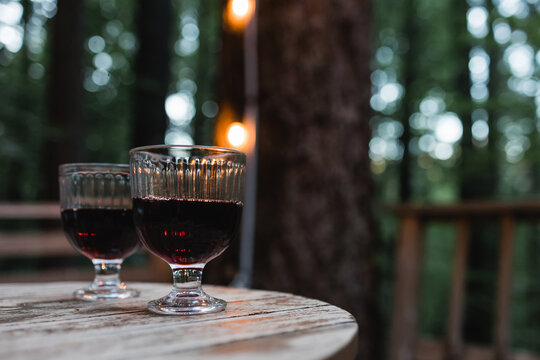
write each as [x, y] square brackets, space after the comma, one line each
[187, 303]
[105, 293]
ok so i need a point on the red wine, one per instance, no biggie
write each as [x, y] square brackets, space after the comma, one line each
[186, 232]
[101, 233]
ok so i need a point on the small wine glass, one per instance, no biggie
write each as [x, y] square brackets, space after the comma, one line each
[187, 208]
[97, 218]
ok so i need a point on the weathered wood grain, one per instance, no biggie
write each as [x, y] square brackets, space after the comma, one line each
[43, 321]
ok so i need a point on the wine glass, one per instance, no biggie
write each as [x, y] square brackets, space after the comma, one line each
[187, 207]
[95, 201]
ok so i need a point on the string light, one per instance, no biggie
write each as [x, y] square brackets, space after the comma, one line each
[240, 7]
[237, 135]
[238, 13]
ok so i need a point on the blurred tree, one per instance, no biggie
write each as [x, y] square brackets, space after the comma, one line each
[409, 74]
[211, 51]
[65, 142]
[21, 125]
[477, 181]
[108, 79]
[151, 72]
[469, 133]
[231, 92]
[425, 56]
[314, 232]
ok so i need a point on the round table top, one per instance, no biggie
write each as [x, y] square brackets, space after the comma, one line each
[42, 320]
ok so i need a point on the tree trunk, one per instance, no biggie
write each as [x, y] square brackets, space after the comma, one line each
[314, 232]
[65, 143]
[477, 177]
[409, 76]
[477, 181]
[151, 72]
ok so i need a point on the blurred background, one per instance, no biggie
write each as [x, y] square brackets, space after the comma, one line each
[442, 105]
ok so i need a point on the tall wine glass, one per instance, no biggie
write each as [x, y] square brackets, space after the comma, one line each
[187, 207]
[95, 201]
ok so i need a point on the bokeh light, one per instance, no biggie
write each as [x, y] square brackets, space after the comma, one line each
[36, 71]
[443, 151]
[210, 109]
[390, 92]
[477, 17]
[431, 105]
[11, 33]
[237, 135]
[127, 41]
[508, 8]
[449, 128]
[520, 59]
[237, 14]
[384, 55]
[480, 130]
[479, 65]
[10, 13]
[240, 7]
[100, 77]
[103, 61]
[180, 108]
[427, 143]
[96, 44]
[178, 137]
[479, 93]
[11, 37]
[502, 32]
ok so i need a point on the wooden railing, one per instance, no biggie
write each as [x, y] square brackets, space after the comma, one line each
[52, 243]
[27, 243]
[404, 341]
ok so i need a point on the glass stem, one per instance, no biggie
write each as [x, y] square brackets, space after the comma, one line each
[107, 273]
[187, 280]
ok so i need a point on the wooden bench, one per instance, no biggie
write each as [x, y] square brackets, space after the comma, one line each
[405, 344]
[49, 241]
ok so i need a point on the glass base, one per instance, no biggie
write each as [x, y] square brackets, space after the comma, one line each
[186, 303]
[105, 293]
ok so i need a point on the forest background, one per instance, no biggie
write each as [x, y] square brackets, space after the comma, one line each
[455, 101]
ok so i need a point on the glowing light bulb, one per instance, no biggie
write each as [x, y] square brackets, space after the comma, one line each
[236, 134]
[240, 7]
[237, 14]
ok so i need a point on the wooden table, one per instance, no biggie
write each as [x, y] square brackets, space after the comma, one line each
[42, 321]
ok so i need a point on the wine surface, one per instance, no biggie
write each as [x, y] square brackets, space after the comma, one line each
[101, 233]
[185, 232]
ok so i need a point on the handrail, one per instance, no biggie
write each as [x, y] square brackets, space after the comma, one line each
[413, 218]
[41, 210]
[529, 209]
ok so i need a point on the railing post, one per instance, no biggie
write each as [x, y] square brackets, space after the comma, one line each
[408, 266]
[454, 340]
[504, 289]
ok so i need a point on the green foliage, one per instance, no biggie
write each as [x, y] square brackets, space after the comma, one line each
[109, 47]
[107, 103]
[194, 73]
[22, 114]
[430, 61]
